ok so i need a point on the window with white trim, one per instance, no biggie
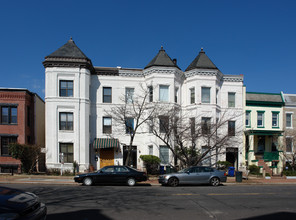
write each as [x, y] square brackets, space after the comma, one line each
[206, 95]
[288, 120]
[260, 119]
[163, 93]
[275, 119]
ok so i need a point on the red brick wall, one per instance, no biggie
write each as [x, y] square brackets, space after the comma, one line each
[22, 99]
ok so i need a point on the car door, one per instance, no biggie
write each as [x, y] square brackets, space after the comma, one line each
[195, 175]
[121, 174]
[105, 175]
[188, 176]
[205, 174]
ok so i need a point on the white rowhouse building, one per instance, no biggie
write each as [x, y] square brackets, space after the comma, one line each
[78, 96]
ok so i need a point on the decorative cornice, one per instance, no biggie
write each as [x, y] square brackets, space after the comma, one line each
[233, 78]
[196, 72]
[130, 73]
[68, 62]
[174, 71]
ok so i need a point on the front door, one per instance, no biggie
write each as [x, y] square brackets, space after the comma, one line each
[106, 157]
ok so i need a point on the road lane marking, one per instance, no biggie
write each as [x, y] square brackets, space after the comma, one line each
[240, 194]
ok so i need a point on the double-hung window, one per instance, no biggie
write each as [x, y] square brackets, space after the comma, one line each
[248, 119]
[288, 120]
[66, 88]
[231, 128]
[260, 119]
[107, 95]
[192, 126]
[192, 95]
[107, 125]
[206, 95]
[67, 150]
[163, 124]
[176, 94]
[5, 141]
[231, 99]
[275, 119]
[205, 125]
[163, 93]
[164, 154]
[129, 125]
[129, 95]
[150, 148]
[150, 90]
[66, 121]
[8, 114]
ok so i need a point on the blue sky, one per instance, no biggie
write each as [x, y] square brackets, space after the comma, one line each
[253, 38]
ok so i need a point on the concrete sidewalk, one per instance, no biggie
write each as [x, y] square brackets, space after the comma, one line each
[68, 180]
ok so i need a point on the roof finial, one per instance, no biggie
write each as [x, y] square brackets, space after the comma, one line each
[201, 49]
[161, 48]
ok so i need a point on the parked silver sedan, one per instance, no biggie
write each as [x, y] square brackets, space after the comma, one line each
[194, 175]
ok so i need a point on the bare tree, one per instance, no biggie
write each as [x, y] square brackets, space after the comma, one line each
[193, 139]
[289, 148]
[129, 116]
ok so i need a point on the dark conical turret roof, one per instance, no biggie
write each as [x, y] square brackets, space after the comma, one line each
[69, 50]
[68, 55]
[162, 59]
[202, 61]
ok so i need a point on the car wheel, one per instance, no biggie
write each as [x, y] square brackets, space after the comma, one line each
[173, 182]
[87, 181]
[131, 181]
[215, 181]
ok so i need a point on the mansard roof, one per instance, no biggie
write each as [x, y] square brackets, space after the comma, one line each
[69, 50]
[202, 61]
[290, 99]
[256, 98]
[162, 59]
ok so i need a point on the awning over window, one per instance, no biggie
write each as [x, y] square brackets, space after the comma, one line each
[101, 143]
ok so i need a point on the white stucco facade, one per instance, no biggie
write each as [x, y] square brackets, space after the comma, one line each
[88, 109]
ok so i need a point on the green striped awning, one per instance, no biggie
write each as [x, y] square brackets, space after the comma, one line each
[101, 143]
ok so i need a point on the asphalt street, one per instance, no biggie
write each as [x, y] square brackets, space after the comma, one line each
[148, 202]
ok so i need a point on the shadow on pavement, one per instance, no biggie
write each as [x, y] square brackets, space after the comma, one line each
[274, 216]
[78, 215]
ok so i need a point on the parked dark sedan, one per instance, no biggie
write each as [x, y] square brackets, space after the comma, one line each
[194, 175]
[112, 174]
[16, 204]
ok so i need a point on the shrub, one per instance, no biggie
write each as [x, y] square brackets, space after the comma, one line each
[289, 173]
[27, 154]
[223, 165]
[53, 171]
[254, 169]
[152, 163]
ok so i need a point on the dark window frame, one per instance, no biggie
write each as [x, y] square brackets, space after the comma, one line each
[129, 125]
[67, 91]
[67, 154]
[107, 129]
[10, 139]
[107, 98]
[11, 119]
[163, 124]
[231, 128]
[69, 126]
